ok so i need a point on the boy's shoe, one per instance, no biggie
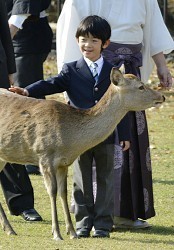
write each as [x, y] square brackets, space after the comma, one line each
[124, 223]
[83, 233]
[101, 234]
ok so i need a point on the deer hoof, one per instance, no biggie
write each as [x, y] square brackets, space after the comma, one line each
[74, 237]
[58, 238]
[11, 233]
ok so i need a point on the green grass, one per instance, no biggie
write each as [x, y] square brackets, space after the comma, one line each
[31, 236]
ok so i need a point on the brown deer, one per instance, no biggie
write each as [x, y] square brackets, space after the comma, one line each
[48, 133]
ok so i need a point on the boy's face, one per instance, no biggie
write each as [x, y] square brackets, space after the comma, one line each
[90, 47]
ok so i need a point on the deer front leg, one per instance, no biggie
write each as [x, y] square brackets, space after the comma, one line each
[51, 186]
[55, 224]
[5, 223]
[62, 191]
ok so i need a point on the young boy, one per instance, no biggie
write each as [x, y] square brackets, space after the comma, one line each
[85, 85]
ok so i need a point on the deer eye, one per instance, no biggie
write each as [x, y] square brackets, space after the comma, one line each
[141, 87]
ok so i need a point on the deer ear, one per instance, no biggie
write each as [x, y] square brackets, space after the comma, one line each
[116, 76]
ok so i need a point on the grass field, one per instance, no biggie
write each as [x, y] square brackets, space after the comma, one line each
[37, 236]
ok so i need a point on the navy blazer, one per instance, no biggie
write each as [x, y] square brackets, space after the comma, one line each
[32, 7]
[77, 80]
[36, 34]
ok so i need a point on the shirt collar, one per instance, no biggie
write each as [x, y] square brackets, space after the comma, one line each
[99, 63]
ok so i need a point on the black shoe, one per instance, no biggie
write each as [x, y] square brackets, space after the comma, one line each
[32, 169]
[31, 215]
[83, 233]
[101, 234]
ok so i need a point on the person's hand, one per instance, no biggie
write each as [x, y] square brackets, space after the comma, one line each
[164, 77]
[13, 30]
[125, 145]
[162, 70]
[19, 91]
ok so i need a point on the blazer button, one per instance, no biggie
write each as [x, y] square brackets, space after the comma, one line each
[96, 101]
[96, 89]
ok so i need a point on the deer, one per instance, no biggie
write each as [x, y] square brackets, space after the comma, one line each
[48, 133]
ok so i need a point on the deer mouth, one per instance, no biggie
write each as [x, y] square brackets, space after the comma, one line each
[160, 101]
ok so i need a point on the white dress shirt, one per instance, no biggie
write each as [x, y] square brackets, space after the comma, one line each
[99, 63]
[18, 20]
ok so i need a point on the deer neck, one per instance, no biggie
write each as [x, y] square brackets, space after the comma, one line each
[102, 119]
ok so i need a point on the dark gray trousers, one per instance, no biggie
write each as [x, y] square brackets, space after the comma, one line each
[90, 212]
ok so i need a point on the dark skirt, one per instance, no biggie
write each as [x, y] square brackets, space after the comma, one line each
[133, 192]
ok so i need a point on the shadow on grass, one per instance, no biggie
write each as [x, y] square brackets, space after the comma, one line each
[156, 230]
[45, 222]
[159, 230]
[171, 182]
[146, 241]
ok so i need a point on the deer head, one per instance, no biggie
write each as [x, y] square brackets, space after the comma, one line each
[134, 94]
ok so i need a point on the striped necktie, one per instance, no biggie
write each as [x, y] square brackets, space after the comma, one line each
[94, 70]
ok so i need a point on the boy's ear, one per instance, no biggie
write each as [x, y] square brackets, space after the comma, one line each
[106, 44]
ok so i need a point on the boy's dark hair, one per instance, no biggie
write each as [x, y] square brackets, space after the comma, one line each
[97, 26]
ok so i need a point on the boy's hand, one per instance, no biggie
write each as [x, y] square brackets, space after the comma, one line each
[19, 91]
[125, 145]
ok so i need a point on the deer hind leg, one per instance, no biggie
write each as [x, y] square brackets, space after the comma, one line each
[5, 223]
[61, 176]
[51, 186]
[2, 165]
[3, 218]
